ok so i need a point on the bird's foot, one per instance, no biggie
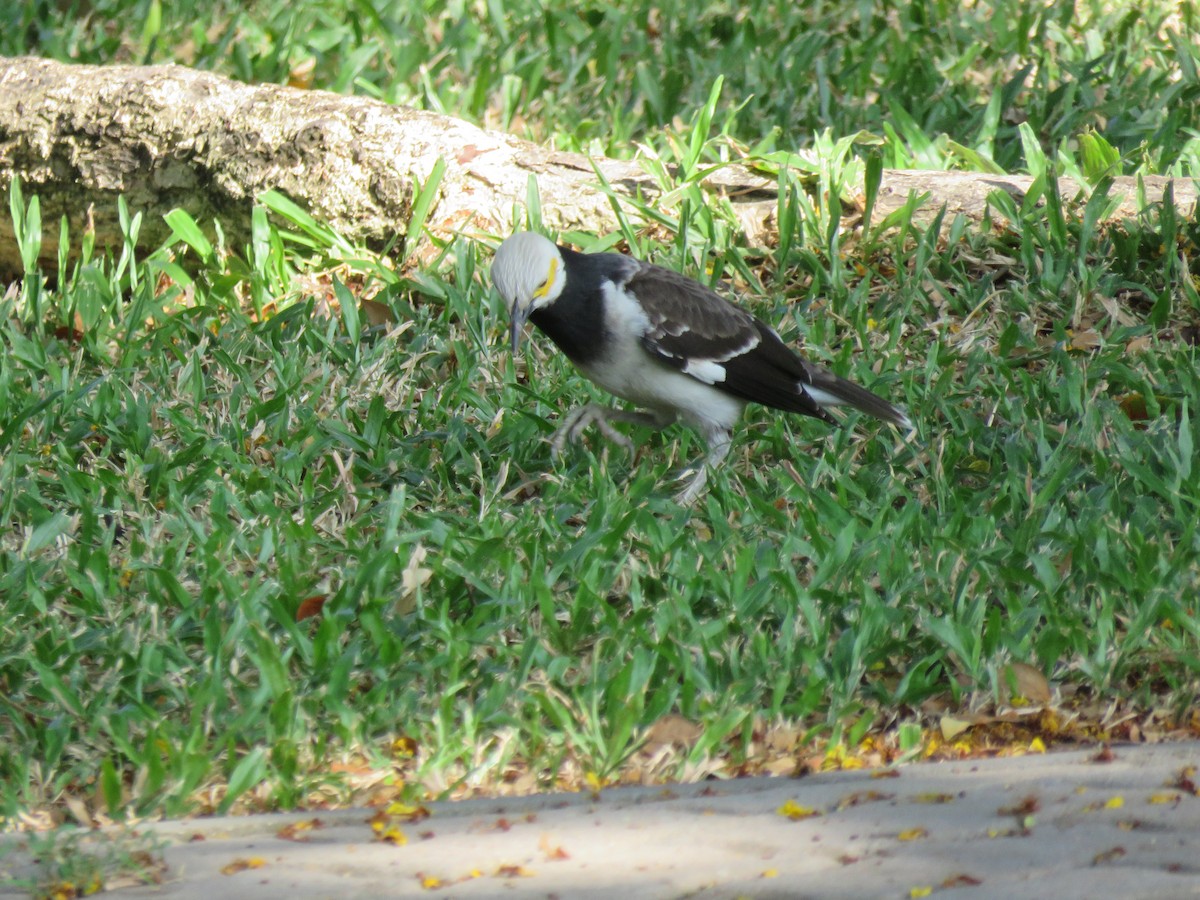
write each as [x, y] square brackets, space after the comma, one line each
[718, 449]
[574, 423]
[695, 486]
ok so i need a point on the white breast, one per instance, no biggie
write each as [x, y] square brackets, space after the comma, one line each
[631, 373]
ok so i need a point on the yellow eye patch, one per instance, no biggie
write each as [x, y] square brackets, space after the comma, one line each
[545, 288]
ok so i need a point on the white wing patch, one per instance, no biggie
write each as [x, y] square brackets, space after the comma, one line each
[706, 370]
[823, 398]
[631, 373]
[623, 315]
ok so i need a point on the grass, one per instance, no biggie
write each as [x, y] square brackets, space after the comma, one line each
[196, 457]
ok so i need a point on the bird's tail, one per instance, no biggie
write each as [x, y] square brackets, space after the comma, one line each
[828, 389]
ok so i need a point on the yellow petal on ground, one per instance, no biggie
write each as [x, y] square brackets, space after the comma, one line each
[1163, 797]
[795, 811]
[952, 727]
[913, 834]
[923, 891]
[1114, 802]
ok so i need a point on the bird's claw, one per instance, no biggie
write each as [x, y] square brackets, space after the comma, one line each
[578, 420]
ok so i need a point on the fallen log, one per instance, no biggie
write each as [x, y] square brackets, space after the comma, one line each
[168, 136]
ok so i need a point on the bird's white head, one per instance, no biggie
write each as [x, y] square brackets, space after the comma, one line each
[528, 272]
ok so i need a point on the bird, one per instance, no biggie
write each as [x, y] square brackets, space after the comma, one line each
[673, 347]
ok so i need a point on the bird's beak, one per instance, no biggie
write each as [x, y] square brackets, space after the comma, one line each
[518, 315]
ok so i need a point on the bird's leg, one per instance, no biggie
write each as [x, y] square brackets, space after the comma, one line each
[574, 423]
[719, 441]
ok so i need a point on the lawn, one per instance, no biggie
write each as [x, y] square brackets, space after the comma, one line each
[257, 556]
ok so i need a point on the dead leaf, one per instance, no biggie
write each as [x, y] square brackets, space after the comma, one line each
[1027, 806]
[311, 606]
[1138, 345]
[934, 797]
[241, 864]
[513, 872]
[1186, 781]
[1023, 682]
[553, 851]
[860, 797]
[795, 811]
[1134, 407]
[952, 727]
[1085, 340]
[406, 812]
[961, 880]
[672, 731]
[1164, 797]
[412, 579]
[299, 831]
[301, 74]
[468, 153]
[1108, 856]
[79, 810]
[377, 314]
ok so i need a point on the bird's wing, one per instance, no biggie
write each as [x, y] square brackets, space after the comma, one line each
[694, 329]
[689, 322]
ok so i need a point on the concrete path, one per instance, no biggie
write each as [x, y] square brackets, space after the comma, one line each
[1061, 825]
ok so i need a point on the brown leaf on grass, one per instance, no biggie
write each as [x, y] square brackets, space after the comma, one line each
[1084, 340]
[405, 747]
[1138, 345]
[311, 606]
[376, 313]
[73, 334]
[781, 765]
[78, 809]
[412, 579]
[952, 727]
[301, 74]
[1023, 682]
[1134, 406]
[672, 731]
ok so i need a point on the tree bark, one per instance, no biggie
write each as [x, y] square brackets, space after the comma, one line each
[167, 136]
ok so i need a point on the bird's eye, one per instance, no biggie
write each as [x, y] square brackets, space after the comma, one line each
[548, 283]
